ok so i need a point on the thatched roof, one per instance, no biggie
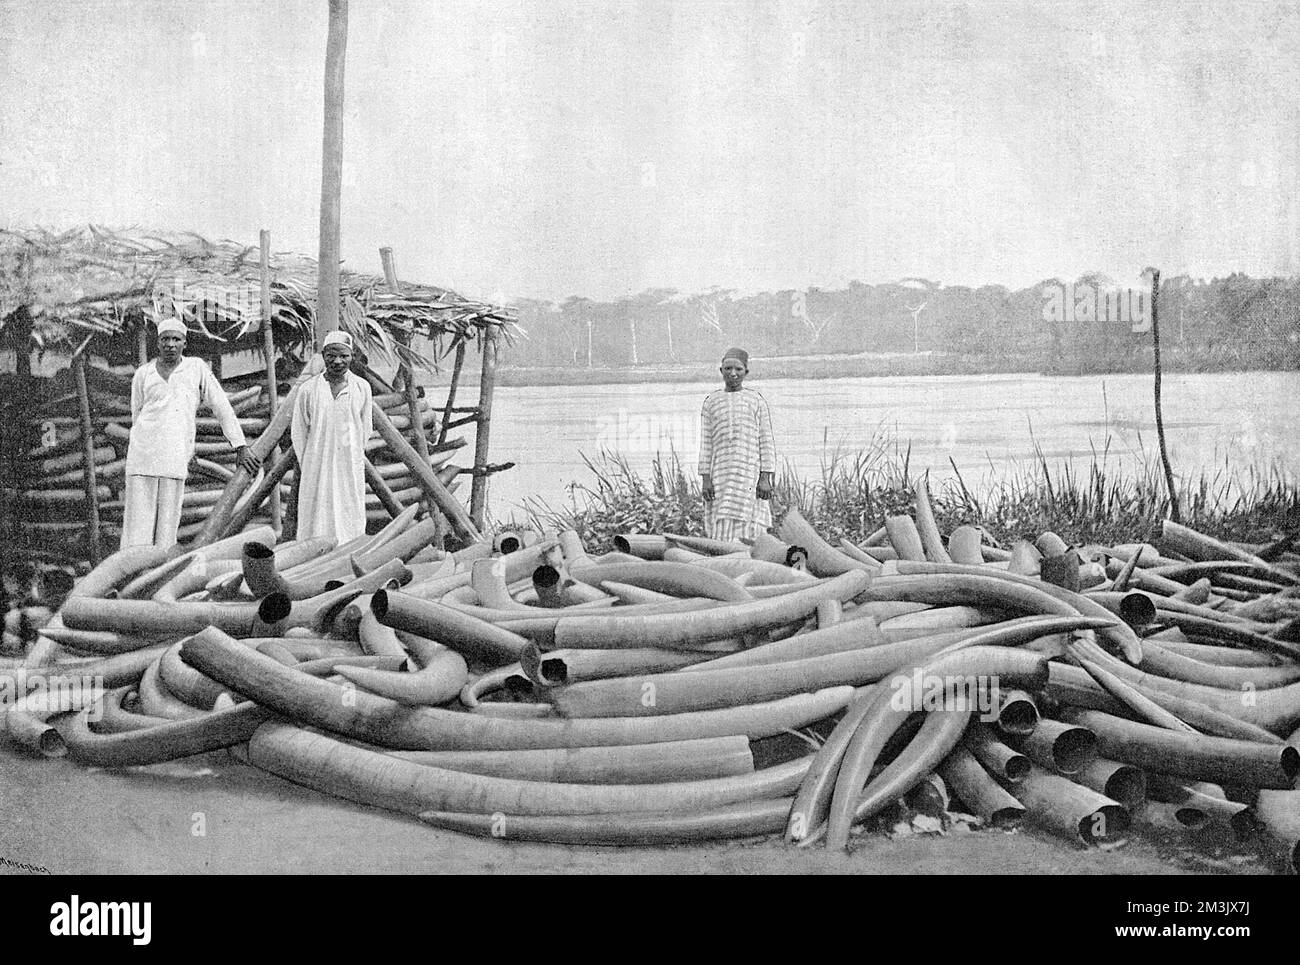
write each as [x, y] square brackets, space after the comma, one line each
[92, 281]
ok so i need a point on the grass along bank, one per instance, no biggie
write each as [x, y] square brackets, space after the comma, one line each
[1106, 503]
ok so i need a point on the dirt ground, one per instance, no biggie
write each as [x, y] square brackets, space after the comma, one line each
[68, 819]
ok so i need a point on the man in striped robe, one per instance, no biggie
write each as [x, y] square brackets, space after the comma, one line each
[737, 455]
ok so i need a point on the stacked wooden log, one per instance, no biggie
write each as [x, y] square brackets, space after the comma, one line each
[523, 688]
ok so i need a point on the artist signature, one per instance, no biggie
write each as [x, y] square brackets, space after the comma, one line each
[36, 869]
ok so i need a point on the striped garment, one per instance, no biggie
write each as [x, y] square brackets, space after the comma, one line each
[735, 446]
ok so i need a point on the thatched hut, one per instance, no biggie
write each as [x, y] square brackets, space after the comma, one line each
[78, 307]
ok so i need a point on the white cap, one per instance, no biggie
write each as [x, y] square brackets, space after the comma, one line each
[336, 337]
[172, 324]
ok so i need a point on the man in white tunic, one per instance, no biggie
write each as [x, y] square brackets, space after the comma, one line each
[332, 419]
[165, 397]
[737, 455]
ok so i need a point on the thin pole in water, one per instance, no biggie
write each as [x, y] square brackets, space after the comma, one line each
[1174, 512]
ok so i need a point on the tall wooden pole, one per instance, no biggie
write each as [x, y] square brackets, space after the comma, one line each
[486, 388]
[93, 546]
[268, 349]
[1174, 511]
[408, 372]
[331, 179]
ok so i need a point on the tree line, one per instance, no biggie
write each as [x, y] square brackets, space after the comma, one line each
[1090, 324]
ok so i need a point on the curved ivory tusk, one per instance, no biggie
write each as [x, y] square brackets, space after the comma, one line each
[1279, 813]
[114, 671]
[1208, 653]
[1198, 546]
[380, 640]
[823, 558]
[157, 701]
[1276, 709]
[503, 678]
[145, 584]
[1158, 660]
[764, 573]
[703, 544]
[1073, 685]
[166, 742]
[1025, 559]
[194, 578]
[693, 628]
[378, 720]
[941, 618]
[1123, 783]
[689, 760]
[744, 820]
[488, 580]
[938, 735]
[401, 547]
[883, 718]
[904, 537]
[1017, 713]
[318, 612]
[677, 579]
[557, 667]
[187, 684]
[1071, 809]
[152, 618]
[371, 777]
[436, 684]
[117, 719]
[446, 625]
[1059, 747]
[978, 791]
[977, 579]
[1137, 702]
[647, 547]
[630, 594]
[121, 566]
[964, 546]
[1218, 759]
[931, 541]
[1000, 760]
[103, 642]
[33, 732]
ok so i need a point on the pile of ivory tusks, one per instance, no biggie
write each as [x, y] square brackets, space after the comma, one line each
[524, 689]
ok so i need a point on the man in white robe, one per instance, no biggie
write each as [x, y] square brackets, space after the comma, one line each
[165, 397]
[332, 419]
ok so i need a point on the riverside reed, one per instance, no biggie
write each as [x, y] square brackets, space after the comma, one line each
[1102, 502]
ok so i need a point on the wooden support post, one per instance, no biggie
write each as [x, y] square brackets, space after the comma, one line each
[268, 349]
[408, 375]
[331, 179]
[88, 456]
[141, 343]
[486, 388]
[451, 392]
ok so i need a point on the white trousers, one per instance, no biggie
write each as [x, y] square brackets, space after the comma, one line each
[152, 514]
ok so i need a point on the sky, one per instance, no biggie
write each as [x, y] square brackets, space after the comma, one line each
[558, 147]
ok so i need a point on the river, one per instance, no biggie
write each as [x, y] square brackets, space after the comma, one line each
[986, 424]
